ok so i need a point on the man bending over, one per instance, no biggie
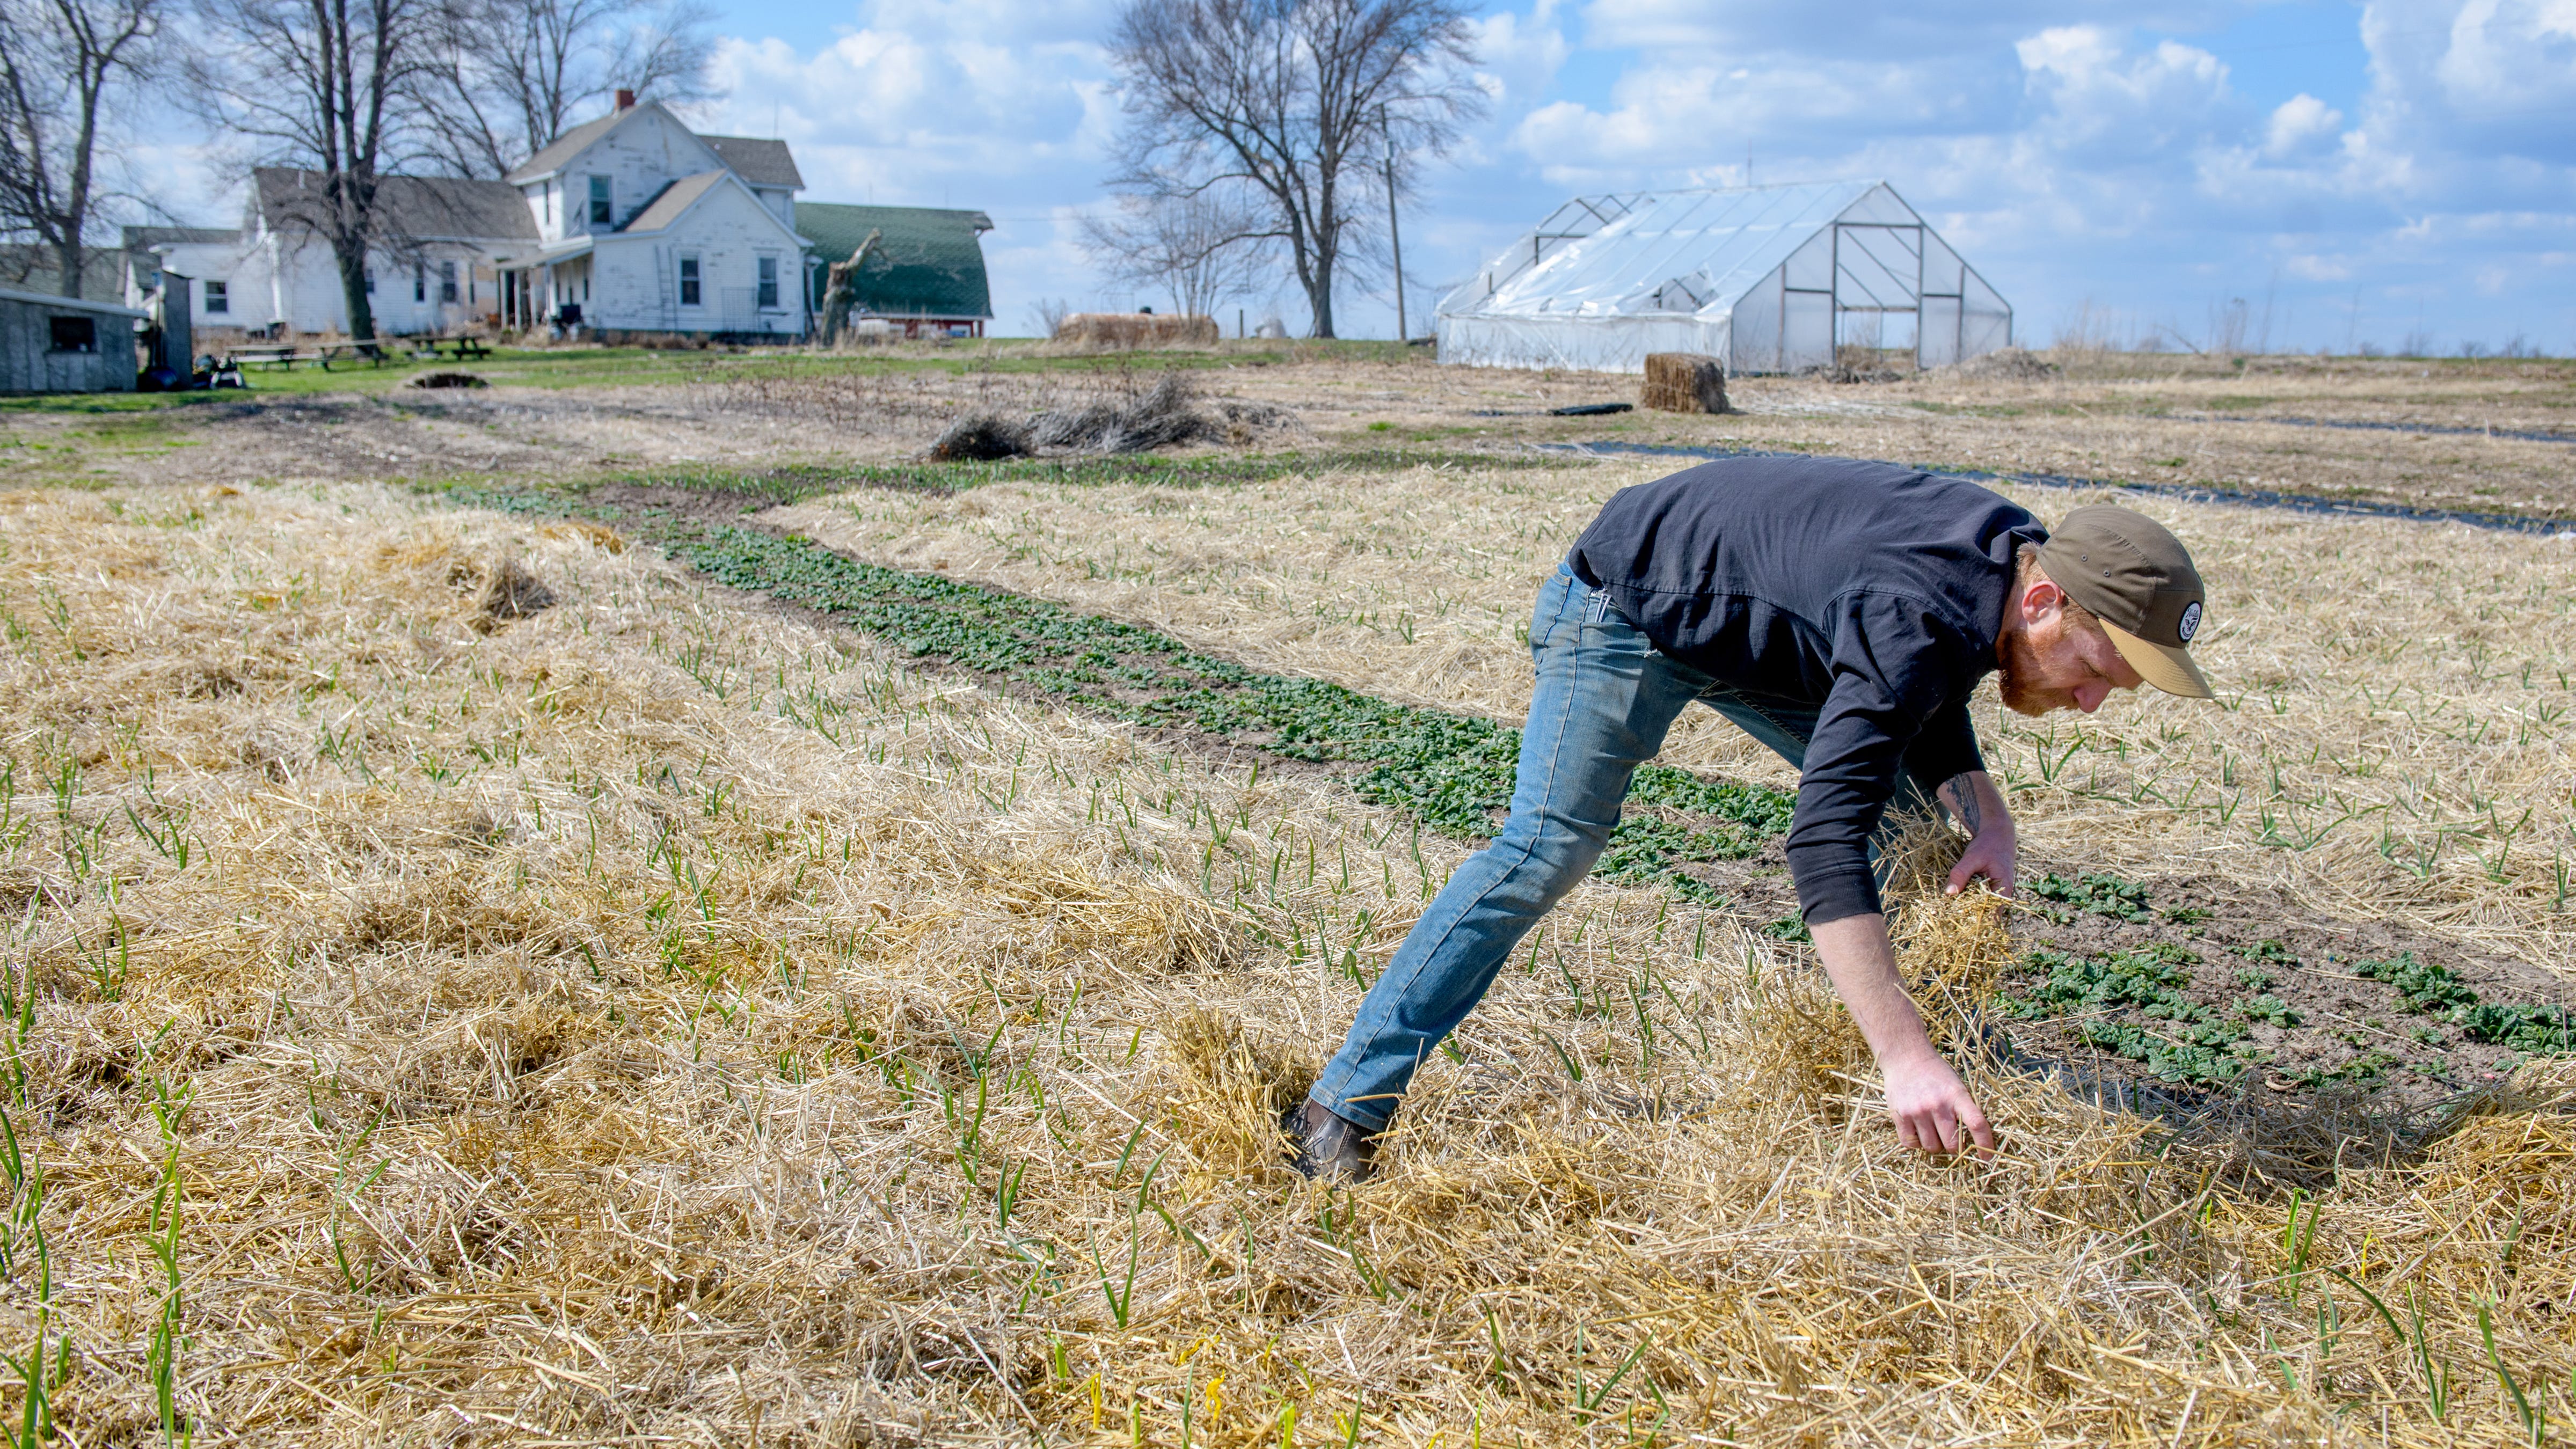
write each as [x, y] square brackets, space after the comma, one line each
[1842, 613]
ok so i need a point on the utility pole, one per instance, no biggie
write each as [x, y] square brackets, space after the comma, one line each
[1394, 234]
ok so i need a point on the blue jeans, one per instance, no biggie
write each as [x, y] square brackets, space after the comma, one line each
[1604, 701]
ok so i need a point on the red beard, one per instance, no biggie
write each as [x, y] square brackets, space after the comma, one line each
[2017, 675]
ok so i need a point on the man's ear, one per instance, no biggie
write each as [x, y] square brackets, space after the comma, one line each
[2040, 598]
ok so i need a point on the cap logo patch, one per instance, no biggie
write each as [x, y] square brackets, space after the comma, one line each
[2190, 622]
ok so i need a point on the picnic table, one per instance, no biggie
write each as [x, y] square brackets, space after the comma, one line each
[459, 349]
[285, 355]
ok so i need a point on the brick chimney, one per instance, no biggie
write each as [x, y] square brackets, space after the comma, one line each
[625, 99]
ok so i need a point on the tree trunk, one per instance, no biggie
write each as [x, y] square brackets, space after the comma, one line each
[1319, 287]
[353, 289]
[841, 288]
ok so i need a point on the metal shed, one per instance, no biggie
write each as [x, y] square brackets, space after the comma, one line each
[1770, 278]
[64, 344]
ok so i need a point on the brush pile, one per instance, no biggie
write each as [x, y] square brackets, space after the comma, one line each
[661, 1020]
[1168, 414]
[2012, 364]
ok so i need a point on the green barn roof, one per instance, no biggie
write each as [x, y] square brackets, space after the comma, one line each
[928, 262]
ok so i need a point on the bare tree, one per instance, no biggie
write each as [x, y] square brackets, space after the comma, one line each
[1281, 98]
[1201, 249]
[330, 87]
[59, 60]
[511, 75]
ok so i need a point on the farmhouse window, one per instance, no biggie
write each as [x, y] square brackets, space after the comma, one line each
[602, 213]
[219, 296]
[447, 281]
[75, 334]
[688, 280]
[769, 284]
[419, 282]
[370, 274]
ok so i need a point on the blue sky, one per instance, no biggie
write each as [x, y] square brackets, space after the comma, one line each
[2355, 173]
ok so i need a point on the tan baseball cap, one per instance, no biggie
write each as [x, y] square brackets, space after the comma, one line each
[2137, 578]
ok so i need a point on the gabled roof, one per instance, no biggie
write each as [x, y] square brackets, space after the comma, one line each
[760, 162]
[551, 156]
[69, 304]
[137, 238]
[673, 201]
[416, 208]
[928, 261]
[1666, 252]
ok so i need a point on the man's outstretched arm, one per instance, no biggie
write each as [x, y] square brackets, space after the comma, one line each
[1931, 1105]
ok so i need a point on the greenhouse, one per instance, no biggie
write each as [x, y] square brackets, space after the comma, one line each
[1769, 278]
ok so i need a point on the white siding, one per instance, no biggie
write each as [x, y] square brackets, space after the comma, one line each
[639, 158]
[636, 286]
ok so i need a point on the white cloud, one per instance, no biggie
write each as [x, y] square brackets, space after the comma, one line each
[2300, 124]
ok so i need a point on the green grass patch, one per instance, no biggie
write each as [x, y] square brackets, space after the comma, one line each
[572, 367]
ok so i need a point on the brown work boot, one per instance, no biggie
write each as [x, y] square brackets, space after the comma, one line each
[1328, 1147]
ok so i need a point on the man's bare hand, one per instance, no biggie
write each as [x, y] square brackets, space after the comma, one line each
[1933, 1110]
[1992, 839]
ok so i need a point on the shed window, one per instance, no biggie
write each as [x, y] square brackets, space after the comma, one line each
[769, 284]
[447, 281]
[75, 334]
[688, 280]
[602, 212]
[219, 296]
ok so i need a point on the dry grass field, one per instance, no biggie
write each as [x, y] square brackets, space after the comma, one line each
[472, 979]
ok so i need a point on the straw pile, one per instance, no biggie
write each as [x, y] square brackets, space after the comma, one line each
[650, 1019]
[1137, 329]
[1684, 382]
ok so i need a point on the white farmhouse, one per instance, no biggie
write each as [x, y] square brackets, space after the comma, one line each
[631, 224]
[642, 225]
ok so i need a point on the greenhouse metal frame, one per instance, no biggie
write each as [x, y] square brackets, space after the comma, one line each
[1769, 278]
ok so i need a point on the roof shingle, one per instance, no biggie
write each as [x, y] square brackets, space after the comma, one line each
[416, 208]
[758, 161]
[667, 205]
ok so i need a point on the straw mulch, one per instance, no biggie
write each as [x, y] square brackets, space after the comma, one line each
[639, 1017]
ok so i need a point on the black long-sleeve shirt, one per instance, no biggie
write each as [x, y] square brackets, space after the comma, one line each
[1868, 592]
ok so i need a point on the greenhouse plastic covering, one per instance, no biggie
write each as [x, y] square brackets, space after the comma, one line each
[1769, 278]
